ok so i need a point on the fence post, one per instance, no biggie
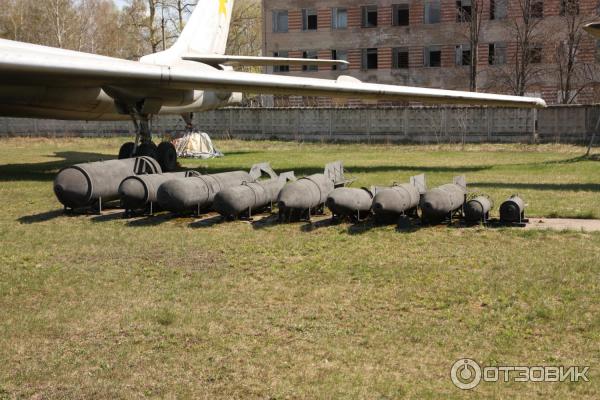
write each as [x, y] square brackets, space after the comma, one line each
[534, 125]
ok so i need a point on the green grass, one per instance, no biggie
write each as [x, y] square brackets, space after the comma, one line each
[101, 307]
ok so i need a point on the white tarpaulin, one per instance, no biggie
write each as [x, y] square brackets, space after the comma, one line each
[196, 145]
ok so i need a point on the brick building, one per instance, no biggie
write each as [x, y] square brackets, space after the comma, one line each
[428, 42]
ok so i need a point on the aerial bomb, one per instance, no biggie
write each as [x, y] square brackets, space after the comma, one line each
[138, 192]
[351, 203]
[512, 210]
[306, 195]
[391, 202]
[198, 192]
[478, 209]
[249, 197]
[442, 202]
[84, 185]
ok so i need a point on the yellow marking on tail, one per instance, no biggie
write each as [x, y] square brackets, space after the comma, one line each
[223, 7]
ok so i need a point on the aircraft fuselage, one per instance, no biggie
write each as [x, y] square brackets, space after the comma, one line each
[55, 99]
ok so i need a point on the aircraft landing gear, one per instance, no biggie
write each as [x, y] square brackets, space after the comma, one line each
[164, 153]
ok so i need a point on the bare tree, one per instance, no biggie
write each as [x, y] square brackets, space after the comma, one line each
[178, 11]
[61, 19]
[573, 75]
[245, 31]
[524, 67]
[473, 17]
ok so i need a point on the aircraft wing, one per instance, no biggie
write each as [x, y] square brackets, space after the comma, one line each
[593, 29]
[260, 61]
[58, 69]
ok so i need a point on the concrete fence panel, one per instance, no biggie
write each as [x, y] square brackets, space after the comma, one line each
[560, 124]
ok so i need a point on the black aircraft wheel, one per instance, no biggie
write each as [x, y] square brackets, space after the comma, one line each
[167, 156]
[126, 150]
[147, 149]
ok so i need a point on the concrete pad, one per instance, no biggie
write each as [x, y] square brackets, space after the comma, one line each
[560, 224]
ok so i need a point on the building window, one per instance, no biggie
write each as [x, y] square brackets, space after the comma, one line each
[537, 9]
[463, 10]
[598, 51]
[369, 59]
[401, 15]
[309, 19]
[463, 55]
[433, 56]
[310, 54]
[535, 54]
[497, 54]
[281, 68]
[498, 9]
[432, 12]
[280, 21]
[339, 55]
[569, 7]
[369, 16]
[400, 60]
[339, 18]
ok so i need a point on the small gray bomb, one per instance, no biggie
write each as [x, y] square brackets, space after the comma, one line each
[478, 209]
[198, 192]
[243, 200]
[392, 202]
[299, 199]
[353, 203]
[440, 203]
[139, 192]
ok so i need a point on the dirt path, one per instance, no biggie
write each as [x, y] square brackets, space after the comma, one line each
[586, 225]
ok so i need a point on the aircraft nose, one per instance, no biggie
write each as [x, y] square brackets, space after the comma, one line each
[72, 187]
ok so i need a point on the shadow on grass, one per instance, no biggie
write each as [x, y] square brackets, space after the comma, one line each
[305, 171]
[574, 187]
[592, 157]
[207, 222]
[148, 220]
[111, 215]
[42, 217]
[269, 221]
[321, 223]
[46, 171]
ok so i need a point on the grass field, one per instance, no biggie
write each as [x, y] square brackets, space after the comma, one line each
[101, 307]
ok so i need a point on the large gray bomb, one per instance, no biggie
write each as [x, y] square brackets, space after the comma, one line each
[400, 199]
[353, 203]
[197, 193]
[478, 209]
[307, 195]
[84, 185]
[243, 200]
[442, 202]
[512, 211]
[139, 192]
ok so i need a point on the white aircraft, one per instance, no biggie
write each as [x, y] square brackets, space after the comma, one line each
[192, 76]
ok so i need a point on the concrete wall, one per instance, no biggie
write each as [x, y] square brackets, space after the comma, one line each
[565, 124]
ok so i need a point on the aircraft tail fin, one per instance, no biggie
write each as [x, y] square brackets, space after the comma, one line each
[205, 33]
[207, 29]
